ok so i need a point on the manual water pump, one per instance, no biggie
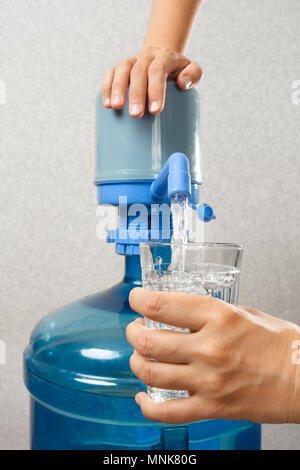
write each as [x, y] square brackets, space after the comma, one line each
[76, 366]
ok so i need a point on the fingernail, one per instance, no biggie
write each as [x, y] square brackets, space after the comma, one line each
[154, 106]
[135, 109]
[187, 82]
[107, 101]
[117, 100]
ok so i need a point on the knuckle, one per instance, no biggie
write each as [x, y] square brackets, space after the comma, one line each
[215, 302]
[147, 374]
[228, 311]
[216, 352]
[219, 352]
[143, 56]
[227, 315]
[153, 304]
[214, 383]
[167, 54]
[144, 344]
[168, 417]
[218, 307]
[157, 66]
[125, 63]
[138, 68]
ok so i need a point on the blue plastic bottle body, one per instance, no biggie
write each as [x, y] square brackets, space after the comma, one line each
[82, 389]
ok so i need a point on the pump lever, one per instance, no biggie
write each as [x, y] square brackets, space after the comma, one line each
[205, 212]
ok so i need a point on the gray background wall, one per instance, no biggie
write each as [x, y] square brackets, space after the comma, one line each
[52, 57]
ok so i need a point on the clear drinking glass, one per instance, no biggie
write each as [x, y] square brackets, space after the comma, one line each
[211, 269]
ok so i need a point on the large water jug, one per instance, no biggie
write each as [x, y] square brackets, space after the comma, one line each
[76, 366]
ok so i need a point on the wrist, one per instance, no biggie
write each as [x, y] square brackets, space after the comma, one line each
[293, 361]
[161, 40]
[154, 48]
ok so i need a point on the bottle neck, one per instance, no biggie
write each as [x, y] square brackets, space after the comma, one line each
[132, 268]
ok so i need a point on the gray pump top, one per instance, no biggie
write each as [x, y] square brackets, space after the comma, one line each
[130, 149]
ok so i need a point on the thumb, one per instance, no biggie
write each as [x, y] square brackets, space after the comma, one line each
[189, 76]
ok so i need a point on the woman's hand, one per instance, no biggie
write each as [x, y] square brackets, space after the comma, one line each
[147, 73]
[236, 364]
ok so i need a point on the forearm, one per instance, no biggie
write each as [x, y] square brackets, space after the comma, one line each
[170, 23]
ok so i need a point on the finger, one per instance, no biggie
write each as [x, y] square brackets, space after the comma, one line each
[175, 411]
[106, 87]
[253, 311]
[163, 345]
[189, 76]
[173, 308]
[139, 321]
[120, 83]
[138, 88]
[162, 374]
[157, 76]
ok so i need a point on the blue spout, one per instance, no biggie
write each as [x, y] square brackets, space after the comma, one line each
[174, 178]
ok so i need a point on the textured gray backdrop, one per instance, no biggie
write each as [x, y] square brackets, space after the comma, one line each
[52, 57]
